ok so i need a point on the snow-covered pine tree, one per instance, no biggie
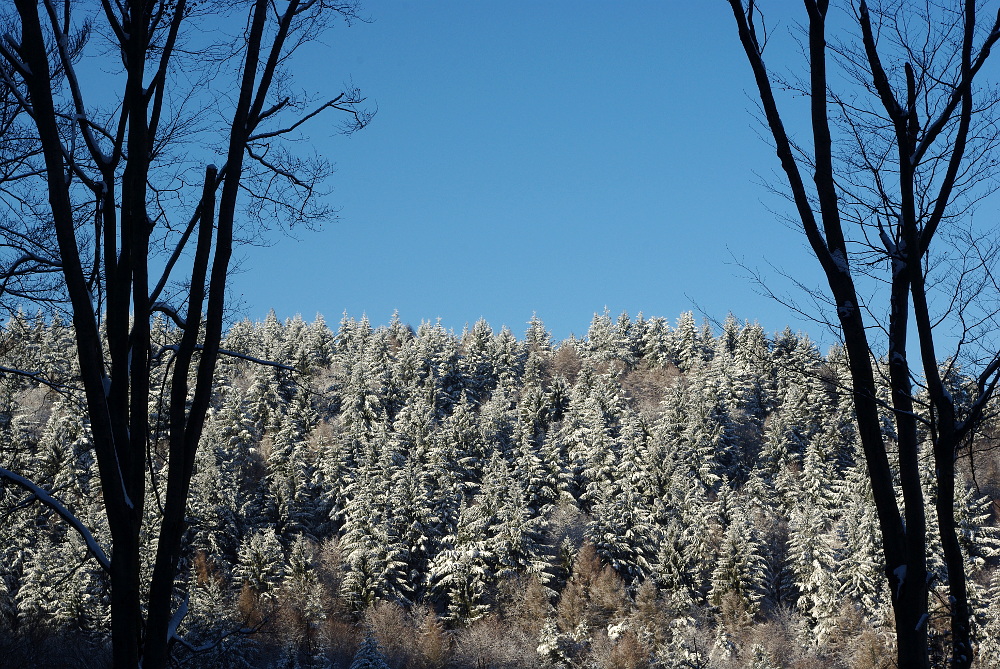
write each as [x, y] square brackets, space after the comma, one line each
[478, 360]
[372, 558]
[508, 362]
[258, 572]
[736, 581]
[687, 345]
[302, 598]
[622, 530]
[369, 656]
[812, 542]
[537, 338]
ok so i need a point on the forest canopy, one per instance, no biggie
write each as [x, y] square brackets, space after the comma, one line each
[653, 494]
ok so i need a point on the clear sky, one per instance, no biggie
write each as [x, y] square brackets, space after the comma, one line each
[553, 157]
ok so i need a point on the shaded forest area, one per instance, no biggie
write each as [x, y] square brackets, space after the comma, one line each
[651, 495]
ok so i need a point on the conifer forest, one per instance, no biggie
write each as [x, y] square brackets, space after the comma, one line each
[655, 494]
[182, 488]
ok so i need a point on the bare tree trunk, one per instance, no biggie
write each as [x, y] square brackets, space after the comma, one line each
[115, 371]
[186, 427]
[183, 445]
[903, 536]
[122, 521]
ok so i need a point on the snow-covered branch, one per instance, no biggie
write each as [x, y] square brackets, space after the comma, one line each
[178, 616]
[8, 48]
[234, 354]
[38, 378]
[212, 644]
[67, 515]
[165, 308]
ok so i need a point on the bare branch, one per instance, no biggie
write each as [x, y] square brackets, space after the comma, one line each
[38, 377]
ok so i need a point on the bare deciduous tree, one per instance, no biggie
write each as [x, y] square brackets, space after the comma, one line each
[109, 112]
[897, 159]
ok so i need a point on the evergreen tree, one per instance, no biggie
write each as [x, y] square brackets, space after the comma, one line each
[622, 531]
[859, 557]
[537, 338]
[373, 566]
[738, 571]
[368, 655]
[812, 544]
[260, 566]
[413, 531]
[687, 347]
[35, 598]
[292, 471]
[508, 361]
[446, 470]
[211, 619]
[478, 361]
[440, 369]
[303, 596]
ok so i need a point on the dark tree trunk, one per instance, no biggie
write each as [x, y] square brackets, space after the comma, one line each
[116, 359]
[903, 536]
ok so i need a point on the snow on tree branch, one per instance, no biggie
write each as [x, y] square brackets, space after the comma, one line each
[67, 515]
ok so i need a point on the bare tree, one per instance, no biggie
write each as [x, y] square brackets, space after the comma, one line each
[897, 161]
[109, 112]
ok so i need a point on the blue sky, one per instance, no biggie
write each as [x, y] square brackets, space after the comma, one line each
[538, 157]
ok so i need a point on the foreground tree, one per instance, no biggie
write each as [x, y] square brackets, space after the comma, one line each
[897, 162]
[97, 213]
